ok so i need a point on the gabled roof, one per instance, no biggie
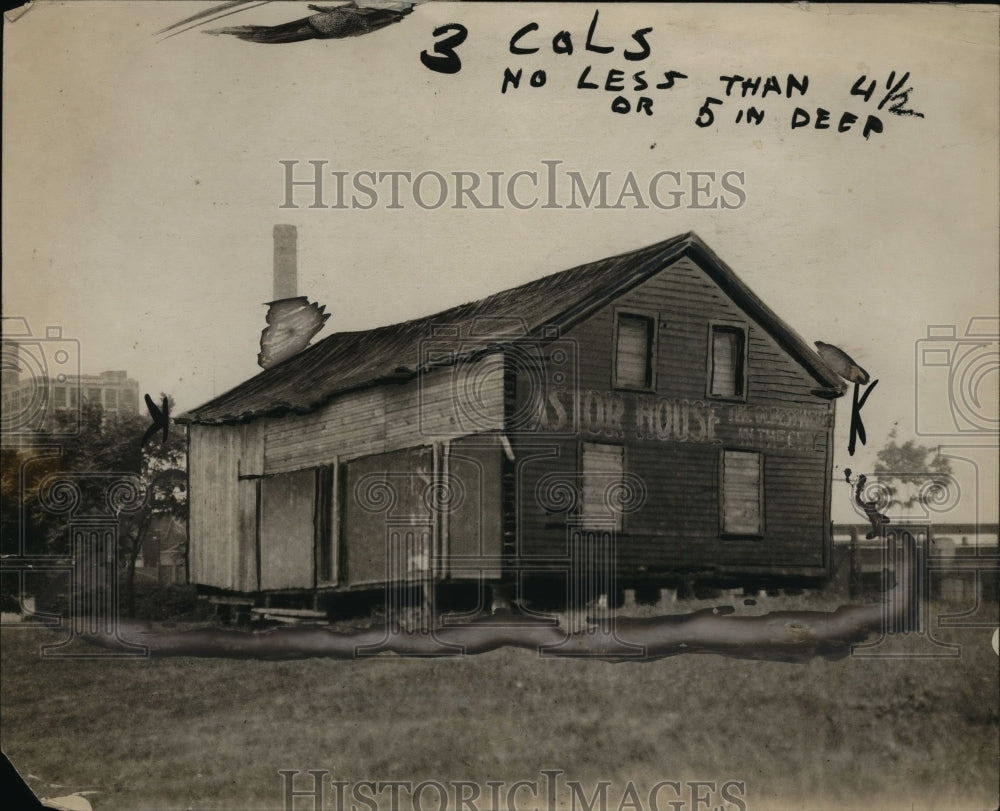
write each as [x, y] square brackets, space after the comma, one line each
[347, 361]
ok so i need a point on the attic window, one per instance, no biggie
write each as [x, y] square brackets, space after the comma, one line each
[635, 339]
[728, 362]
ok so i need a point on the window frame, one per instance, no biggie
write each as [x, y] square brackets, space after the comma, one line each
[653, 319]
[742, 372]
[761, 503]
[619, 519]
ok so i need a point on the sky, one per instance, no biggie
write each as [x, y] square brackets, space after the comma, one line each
[142, 179]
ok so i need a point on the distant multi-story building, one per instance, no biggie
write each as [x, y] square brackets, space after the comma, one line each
[30, 402]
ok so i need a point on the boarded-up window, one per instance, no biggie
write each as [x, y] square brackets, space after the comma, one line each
[287, 530]
[742, 493]
[727, 361]
[386, 511]
[603, 472]
[634, 352]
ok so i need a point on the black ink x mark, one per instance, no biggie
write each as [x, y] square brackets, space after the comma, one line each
[161, 419]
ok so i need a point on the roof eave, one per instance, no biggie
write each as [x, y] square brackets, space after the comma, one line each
[688, 244]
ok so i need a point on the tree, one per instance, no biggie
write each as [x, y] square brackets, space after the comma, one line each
[911, 474]
[100, 446]
[163, 471]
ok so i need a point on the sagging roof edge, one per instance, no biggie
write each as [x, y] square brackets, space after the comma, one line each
[688, 244]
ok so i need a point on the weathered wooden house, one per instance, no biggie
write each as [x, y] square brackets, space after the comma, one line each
[648, 403]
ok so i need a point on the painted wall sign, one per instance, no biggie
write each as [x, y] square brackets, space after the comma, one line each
[618, 415]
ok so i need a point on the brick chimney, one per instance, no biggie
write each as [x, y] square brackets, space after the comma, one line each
[292, 320]
[285, 257]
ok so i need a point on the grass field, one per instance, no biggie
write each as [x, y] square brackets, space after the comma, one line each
[212, 734]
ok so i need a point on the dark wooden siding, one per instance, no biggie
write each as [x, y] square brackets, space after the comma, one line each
[248, 573]
[473, 531]
[676, 451]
